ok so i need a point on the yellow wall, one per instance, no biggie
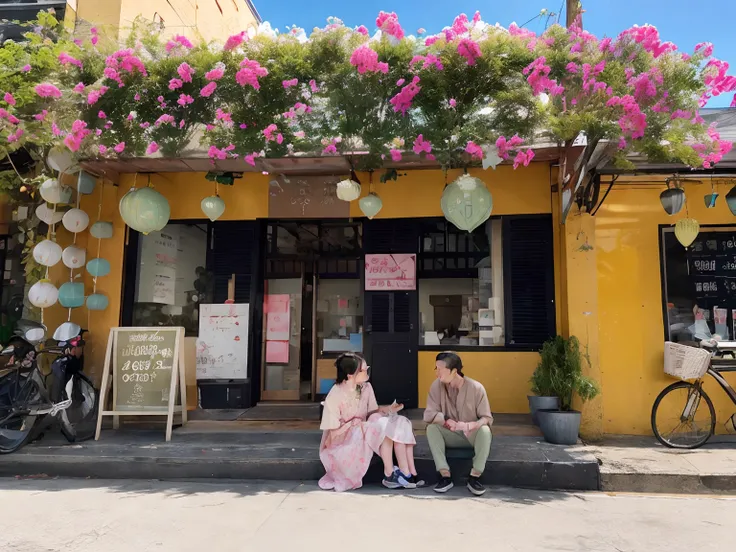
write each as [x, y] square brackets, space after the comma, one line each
[630, 302]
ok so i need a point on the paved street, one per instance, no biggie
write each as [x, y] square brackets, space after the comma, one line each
[144, 516]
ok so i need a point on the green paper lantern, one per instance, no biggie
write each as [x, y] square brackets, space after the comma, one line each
[101, 230]
[467, 203]
[97, 302]
[145, 210]
[86, 183]
[213, 207]
[71, 295]
[370, 205]
[98, 267]
[731, 200]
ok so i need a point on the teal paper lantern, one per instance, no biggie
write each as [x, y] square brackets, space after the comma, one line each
[71, 295]
[97, 302]
[213, 207]
[145, 210]
[98, 267]
[85, 183]
[101, 230]
[370, 205]
[467, 203]
[731, 200]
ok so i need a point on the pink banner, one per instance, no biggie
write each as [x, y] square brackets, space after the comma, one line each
[277, 352]
[390, 272]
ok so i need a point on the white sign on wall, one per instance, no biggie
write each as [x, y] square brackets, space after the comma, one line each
[222, 346]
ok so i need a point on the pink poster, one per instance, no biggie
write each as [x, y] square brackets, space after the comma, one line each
[276, 303]
[390, 272]
[277, 352]
[277, 326]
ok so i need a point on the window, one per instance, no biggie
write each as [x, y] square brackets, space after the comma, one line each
[460, 284]
[172, 279]
[700, 285]
[339, 316]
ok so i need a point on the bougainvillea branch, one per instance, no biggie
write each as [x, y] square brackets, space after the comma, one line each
[451, 97]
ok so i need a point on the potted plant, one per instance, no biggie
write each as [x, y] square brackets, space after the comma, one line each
[541, 382]
[561, 369]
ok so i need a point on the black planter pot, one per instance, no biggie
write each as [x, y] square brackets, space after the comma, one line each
[558, 427]
[537, 403]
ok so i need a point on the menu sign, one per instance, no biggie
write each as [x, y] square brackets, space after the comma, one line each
[387, 272]
[712, 266]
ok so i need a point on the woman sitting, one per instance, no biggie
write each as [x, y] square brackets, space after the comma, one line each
[355, 427]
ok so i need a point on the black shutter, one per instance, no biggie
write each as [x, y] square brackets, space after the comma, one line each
[391, 236]
[529, 280]
[234, 250]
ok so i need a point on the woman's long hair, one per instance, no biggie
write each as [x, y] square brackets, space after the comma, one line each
[452, 361]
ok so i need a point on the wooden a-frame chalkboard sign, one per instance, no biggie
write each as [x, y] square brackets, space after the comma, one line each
[145, 366]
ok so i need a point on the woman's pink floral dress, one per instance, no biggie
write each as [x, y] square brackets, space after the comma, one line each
[351, 436]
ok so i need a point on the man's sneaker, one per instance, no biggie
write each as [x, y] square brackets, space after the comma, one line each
[475, 487]
[443, 485]
[394, 481]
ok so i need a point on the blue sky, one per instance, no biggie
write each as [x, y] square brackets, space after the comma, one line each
[680, 21]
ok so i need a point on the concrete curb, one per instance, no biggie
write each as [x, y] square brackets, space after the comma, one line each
[668, 483]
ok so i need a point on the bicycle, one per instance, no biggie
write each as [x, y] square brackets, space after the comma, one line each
[679, 405]
[27, 403]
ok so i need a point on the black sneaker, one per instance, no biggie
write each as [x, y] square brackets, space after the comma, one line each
[394, 481]
[475, 487]
[443, 485]
[414, 480]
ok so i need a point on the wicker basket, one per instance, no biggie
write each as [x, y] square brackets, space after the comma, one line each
[685, 363]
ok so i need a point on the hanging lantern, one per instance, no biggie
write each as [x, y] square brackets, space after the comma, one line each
[686, 230]
[75, 220]
[74, 257]
[467, 203]
[71, 295]
[710, 200]
[53, 192]
[145, 210]
[85, 183]
[371, 205]
[97, 301]
[731, 200]
[98, 267]
[60, 159]
[43, 294]
[673, 200]
[213, 207]
[47, 253]
[101, 230]
[48, 215]
[349, 189]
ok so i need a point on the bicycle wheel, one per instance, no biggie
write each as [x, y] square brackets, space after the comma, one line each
[683, 416]
[79, 421]
[17, 394]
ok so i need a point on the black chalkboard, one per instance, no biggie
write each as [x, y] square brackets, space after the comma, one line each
[711, 261]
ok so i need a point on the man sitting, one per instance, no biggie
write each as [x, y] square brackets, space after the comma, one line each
[459, 416]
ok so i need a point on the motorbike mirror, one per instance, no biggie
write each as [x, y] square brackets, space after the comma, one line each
[67, 331]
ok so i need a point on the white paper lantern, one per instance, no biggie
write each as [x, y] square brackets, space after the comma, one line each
[75, 220]
[48, 215]
[348, 189]
[43, 294]
[213, 207]
[467, 203]
[47, 253]
[145, 210]
[53, 192]
[60, 159]
[74, 257]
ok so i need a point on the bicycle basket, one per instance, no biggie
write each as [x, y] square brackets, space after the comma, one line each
[684, 362]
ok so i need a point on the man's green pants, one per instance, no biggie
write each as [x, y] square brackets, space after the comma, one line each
[440, 438]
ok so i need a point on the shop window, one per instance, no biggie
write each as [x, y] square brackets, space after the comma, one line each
[339, 316]
[460, 285]
[699, 285]
[172, 280]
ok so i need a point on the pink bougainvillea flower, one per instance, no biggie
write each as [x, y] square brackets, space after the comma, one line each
[185, 99]
[152, 148]
[208, 89]
[428, 61]
[400, 82]
[13, 120]
[175, 84]
[242, 126]
[452, 102]
[79, 88]
[330, 149]
[165, 120]
[469, 49]
[56, 130]
[224, 116]
[402, 100]
[269, 131]
[422, 145]
[215, 74]
[66, 59]
[41, 116]
[137, 97]
[572, 67]
[101, 115]
[431, 40]
[47, 90]
[504, 146]
[421, 31]
[215, 153]
[461, 24]
[251, 159]
[299, 134]
[365, 59]
[389, 24]
[185, 72]
[182, 123]
[523, 158]
[15, 136]
[178, 41]
[119, 148]
[102, 149]
[26, 68]
[395, 155]
[94, 96]
[8, 97]
[289, 83]
[234, 41]
[94, 36]
[362, 30]
[474, 150]
[313, 86]
[98, 132]
[249, 73]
